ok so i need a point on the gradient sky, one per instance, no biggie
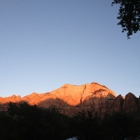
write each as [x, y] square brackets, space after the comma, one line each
[45, 44]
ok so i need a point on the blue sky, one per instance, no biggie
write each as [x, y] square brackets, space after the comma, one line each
[47, 43]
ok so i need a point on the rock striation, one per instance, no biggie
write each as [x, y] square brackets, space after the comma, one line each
[72, 98]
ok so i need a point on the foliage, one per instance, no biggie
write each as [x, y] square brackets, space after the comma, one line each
[119, 126]
[8, 128]
[38, 123]
[129, 15]
[25, 122]
[87, 126]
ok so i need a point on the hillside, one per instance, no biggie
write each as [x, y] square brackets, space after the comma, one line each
[72, 98]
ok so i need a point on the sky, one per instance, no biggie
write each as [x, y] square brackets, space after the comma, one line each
[45, 44]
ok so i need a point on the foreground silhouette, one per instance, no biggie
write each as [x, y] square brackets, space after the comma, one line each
[129, 15]
[25, 122]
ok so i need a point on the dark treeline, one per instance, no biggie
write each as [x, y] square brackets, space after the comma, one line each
[25, 122]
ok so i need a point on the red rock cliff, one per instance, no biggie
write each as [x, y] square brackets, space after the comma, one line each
[71, 98]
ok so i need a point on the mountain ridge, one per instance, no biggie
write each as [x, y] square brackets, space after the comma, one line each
[72, 99]
[54, 93]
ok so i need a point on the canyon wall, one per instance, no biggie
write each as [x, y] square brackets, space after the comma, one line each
[72, 98]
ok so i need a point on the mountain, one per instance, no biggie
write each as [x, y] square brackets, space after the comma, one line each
[72, 98]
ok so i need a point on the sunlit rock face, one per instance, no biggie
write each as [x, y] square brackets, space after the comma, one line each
[77, 95]
[72, 98]
[12, 98]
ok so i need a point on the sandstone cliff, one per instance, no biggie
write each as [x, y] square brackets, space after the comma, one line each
[71, 99]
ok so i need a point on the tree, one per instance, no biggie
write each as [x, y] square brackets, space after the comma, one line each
[87, 126]
[35, 123]
[120, 125]
[8, 127]
[129, 15]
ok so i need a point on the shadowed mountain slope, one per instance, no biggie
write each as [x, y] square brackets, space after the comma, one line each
[72, 98]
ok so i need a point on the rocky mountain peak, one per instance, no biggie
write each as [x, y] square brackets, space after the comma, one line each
[72, 98]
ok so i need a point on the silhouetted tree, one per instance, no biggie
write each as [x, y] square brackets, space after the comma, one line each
[129, 15]
[8, 127]
[56, 124]
[87, 126]
[25, 122]
[38, 123]
[118, 126]
[27, 119]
